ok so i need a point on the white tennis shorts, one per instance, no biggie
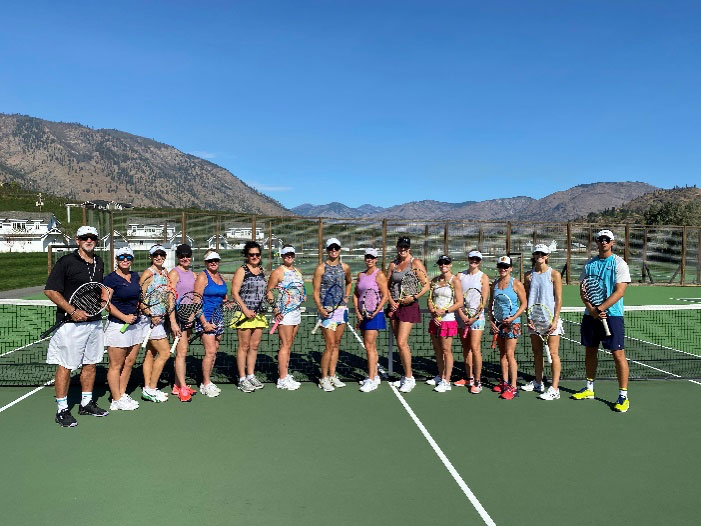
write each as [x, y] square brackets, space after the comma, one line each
[76, 344]
[133, 335]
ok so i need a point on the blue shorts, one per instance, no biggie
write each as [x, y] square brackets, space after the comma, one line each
[374, 324]
[592, 332]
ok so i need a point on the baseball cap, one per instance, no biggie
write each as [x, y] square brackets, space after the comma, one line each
[475, 254]
[124, 251]
[606, 233]
[443, 258]
[504, 259]
[86, 231]
[541, 247]
[333, 241]
[403, 241]
[287, 250]
[212, 255]
[183, 250]
[371, 252]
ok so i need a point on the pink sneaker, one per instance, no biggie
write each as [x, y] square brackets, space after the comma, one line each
[461, 383]
[509, 393]
[476, 388]
[500, 387]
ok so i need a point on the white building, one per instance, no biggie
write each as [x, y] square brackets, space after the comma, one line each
[142, 233]
[29, 232]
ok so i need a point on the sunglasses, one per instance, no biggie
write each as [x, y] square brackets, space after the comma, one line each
[253, 254]
[368, 256]
[474, 260]
[441, 263]
[125, 258]
[539, 254]
[333, 247]
[184, 257]
[503, 266]
[90, 237]
[212, 261]
[603, 239]
[158, 255]
[289, 255]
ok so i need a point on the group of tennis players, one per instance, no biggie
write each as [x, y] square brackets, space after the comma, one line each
[80, 342]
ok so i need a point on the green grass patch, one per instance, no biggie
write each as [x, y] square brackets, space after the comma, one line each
[23, 269]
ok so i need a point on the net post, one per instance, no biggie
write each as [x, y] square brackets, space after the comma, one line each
[390, 351]
[569, 252]
[445, 238]
[683, 262]
[320, 239]
[384, 244]
[111, 212]
[508, 237]
[626, 248]
[183, 235]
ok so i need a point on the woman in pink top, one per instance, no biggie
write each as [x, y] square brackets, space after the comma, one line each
[183, 278]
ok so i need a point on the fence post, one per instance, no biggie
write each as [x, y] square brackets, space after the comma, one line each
[425, 254]
[216, 234]
[508, 237]
[49, 252]
[445, 239]
[183, 234]
[644, 255]
[480, 238]
[569, 252]
[683, 262]
[253, 228]
[698, 258]
[535, 237]
[626, 248]
[270, 246]
[111, 241]
[384, 244]
[320, 239]
[85, 216]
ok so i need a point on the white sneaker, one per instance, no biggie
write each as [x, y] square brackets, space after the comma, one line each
[336, 382]
[368, 386]
[210, 390]
[163, 397]
[550, 394]
[532, 386]
[325, 384]
[131, 401]
[245, 385]
[409, 384]
[257, 384]
[287, 383]
[434, 381]
[399, 383]
[293, 381]
[442, 386]
[122, 404]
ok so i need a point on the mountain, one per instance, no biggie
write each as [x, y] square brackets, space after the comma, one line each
[73, 161]
[559, 206]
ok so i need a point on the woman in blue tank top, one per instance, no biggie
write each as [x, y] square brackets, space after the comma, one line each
[210, 284]
[508, 332]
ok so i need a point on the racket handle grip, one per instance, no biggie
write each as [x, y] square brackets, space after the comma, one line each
[606, 326]
[316, 327]
[124, 327]
[547, 352]
[494, 340]
[146, 338]
[274, 327]
[175, 344]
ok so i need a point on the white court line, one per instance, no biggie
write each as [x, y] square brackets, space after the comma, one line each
[30, 393]
[449, 466]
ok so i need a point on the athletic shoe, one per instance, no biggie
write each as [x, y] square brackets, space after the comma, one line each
[583, 394]
[442, 386]
[336, 382]
[123, 404]
[368, 386]
[532, 386]
[622, 404]
[326, 385]
[460, 383]
[500, 387]
[509, 393]
[550, 394]
[245, 386]
[184, 395]
[409, 384]
[163, 397]
[151, 396]
[64, 418]
[91, 409]
[434, 381]
[176, 390]
[476, 388]
[210, 390]
[293, 381]
[131, 401]
[399, 383]
[257, 384]
[287, 384]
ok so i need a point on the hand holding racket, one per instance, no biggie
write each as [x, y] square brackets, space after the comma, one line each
[472, 306]
[288, 299]
[501, 310]
[126, 324]
[441, 302]
[369, 303]
[593, 291]
[157, 304]
[88, 300]
[187, 309]
[540, 319]
[222, 318]
[331, 301]
[412, 283]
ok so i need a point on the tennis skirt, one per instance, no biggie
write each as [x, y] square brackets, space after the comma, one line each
[446, 329]
[259, 322]
[292, 318]
[374, 324]
[338, 317]
[76, 344]
[158, 332]
[478, 325]
[115, 338]
[409, 313]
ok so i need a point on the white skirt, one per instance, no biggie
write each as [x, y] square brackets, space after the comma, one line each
[115, 338]
[292, 318]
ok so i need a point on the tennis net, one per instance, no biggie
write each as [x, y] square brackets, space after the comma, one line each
[662, 341]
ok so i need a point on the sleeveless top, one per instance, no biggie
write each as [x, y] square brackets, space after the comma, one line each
[158, 280]
[511, 293]
[367, 282]
[333, 274]
[442, 298]
[395, 279]
[472, 281]
[212, 297]
[292, 277]
[541, 289]
[186, 282]
[252, 290]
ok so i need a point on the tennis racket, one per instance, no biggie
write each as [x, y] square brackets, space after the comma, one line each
[472, 304]
[91, 297]
[331, 301]
[501, 309]
[541, 318]
[157, 303]
[288, 299]
[369, 301]
[593, 290]
[442, 301]
[187, 309]
[139, 299]
[252, 293]
[222, 317]
[411, 284]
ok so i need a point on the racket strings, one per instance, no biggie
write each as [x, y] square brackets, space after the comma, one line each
[473, 301]
[593, 290]
[540, 318]
[502, 308]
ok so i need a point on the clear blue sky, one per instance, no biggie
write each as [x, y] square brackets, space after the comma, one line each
[381, 102]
